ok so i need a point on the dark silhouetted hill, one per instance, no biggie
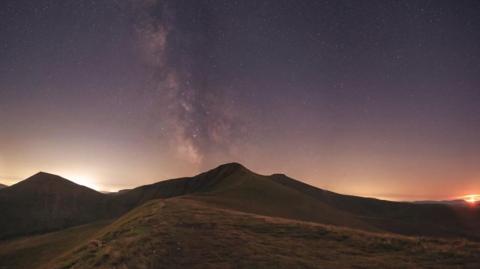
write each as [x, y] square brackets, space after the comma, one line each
[234, 186]
[46, 202]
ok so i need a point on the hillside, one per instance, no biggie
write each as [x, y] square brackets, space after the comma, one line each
[234, 186]
[31, 252]
[45, 202]
[3, 186]
[398, 217]
[226, 217]
[184, 233]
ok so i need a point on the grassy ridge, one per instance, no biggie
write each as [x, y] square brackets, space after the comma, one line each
[234, 186]
[47, 202]
[33, 251]
[184, 233]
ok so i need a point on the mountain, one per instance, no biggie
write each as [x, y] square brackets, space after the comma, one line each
[223, 218]
[234, 186]
[45, 202]
[3, 186]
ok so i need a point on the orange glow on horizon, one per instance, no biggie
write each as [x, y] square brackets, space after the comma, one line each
[471, 198]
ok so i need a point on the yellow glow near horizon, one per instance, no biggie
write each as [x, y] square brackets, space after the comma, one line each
[471, 198]
[83, 180]
[92, 182]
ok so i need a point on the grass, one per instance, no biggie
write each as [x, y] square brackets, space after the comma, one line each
[33, 251]
[234, 218]
[184, 233]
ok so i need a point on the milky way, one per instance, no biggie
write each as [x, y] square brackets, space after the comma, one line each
[174, 40]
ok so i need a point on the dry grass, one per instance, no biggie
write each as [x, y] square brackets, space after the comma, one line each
[183, 233]
[33, 251]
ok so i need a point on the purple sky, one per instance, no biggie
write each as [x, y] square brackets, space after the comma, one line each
[375, 98]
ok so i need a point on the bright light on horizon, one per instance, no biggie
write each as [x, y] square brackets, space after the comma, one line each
[471, 198]
[84, 180]
[91, 182]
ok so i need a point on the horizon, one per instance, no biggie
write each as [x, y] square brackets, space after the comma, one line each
[471, 198]
[375, 99]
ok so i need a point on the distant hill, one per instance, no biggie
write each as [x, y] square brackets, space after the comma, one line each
[46, 202]
[456, 202]
[3, 186]
[398, 217]
[234, 186]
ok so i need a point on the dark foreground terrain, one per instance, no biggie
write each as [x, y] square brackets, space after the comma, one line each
[185, 233]
[228, 217]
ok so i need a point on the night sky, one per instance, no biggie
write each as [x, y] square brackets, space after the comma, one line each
[373, 98]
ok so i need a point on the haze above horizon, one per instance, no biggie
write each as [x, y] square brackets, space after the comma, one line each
[471, 199]
[376, 98]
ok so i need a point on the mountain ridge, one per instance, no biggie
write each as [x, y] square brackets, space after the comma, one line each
[231, 186]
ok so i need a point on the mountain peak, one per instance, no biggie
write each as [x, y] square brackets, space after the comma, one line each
[42, 174]
[279, 175]
[44, 202]
[43, 181]
[45, 177]
[227, 168]
[232, 166]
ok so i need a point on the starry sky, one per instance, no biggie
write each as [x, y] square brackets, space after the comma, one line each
[375, 98]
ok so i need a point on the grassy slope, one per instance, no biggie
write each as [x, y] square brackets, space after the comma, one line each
[249, 192]
[184, 233]
[46, 202]
[31, 252]
[235, 187]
